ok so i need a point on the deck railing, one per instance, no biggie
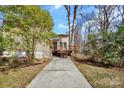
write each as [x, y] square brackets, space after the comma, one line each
[63, 48]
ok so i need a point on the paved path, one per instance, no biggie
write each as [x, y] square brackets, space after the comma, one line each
[60, 73]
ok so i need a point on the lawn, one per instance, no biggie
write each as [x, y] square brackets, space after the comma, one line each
[20, 77]
[101, 77]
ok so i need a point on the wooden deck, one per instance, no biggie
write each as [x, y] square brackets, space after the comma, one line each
[61, 53]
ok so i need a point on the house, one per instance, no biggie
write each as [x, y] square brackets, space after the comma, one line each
[61, 45]
[61, 42]
[42, 50]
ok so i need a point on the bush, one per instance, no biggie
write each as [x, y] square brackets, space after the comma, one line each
[111, 53]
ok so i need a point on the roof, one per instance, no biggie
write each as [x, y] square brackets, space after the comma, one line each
[58, 37]
[63, 35]
[55, 39]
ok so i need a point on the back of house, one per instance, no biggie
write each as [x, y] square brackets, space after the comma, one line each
[61, 45]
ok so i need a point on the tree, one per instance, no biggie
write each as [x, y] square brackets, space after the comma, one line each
[121, 12]
[106, 15]
[29, 23]
[74, 23]
[103, 34]
[71, 28]
[88, 25]
[68, 9]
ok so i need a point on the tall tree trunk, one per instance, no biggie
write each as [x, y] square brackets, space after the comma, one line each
[27, 48]
[33, 47]
[67, 7]
[74, 23]
[73, 27]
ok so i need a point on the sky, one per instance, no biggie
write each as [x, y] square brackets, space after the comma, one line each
[59, 16]
[1, 19]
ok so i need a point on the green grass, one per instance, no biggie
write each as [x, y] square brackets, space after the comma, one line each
[21, 77]
[100, 77]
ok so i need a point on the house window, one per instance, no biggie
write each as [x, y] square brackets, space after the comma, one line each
[55, 45]
[65, 45]
[61, 44]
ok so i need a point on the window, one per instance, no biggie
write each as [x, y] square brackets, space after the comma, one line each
[55, 45]
[61, 44]
[65, 45]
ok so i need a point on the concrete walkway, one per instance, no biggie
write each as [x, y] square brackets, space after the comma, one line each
[60, 73]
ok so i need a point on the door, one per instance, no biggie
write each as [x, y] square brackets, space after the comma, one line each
[55, 45]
